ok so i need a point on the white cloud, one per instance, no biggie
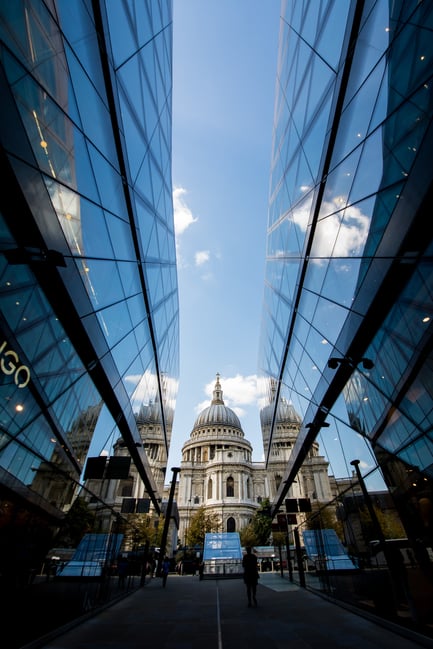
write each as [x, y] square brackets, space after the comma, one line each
[342, 238]
[201, 257]
[146, 389]
[183, 217]
[201, 406]
[240, 412]
[301, 215]
[237, 390]
[337, 235]
[366, 465]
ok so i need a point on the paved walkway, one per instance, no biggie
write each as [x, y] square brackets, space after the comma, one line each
[213, 614]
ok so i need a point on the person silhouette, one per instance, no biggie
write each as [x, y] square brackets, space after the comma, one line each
[251, 575]
[165, 570]
[122, 570]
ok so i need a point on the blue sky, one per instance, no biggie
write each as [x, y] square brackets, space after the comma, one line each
[225, 62]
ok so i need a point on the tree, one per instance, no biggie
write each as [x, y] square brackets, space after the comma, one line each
[324, 517]
[201, 522]
[390, 523]
[279, 538]
[262, 523]
[144, 528]
[248, 536]
[388, 520]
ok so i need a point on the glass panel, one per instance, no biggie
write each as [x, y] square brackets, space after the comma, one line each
[124, 353]
[115, 322]
[102, 281]
[94, 113]
[109, 182]
[81, 36]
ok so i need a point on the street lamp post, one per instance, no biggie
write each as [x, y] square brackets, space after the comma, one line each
[369, 504]
[188, 515]
[167, 520]
[392, 557]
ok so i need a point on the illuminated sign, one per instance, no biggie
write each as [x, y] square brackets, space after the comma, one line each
[225, 545]
[10, 365]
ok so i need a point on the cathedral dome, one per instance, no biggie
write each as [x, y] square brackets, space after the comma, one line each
[217, 413]
[149, 414]
[286, 413]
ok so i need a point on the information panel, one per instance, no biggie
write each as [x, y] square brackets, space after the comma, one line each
[326, 547]
[225, 545]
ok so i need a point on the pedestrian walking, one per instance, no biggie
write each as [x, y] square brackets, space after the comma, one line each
[165, 570]
[251, 575]
[122, 570]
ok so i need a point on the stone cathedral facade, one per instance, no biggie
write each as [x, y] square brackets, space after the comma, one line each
[218, 473]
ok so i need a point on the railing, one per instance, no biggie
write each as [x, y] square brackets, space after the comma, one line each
[51, 603]
[220, 568]
[403, 599]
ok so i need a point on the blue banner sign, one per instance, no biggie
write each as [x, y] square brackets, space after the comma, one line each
[225, 545]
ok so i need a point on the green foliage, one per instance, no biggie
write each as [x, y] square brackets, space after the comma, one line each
[185, 554]
[248, 536]
[279, 539]
[323, 518]
[261, 523]
[144, 528]
[389, 522]
[201, 522]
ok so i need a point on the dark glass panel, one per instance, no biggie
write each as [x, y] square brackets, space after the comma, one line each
[109, 183]
[369, 57]
[94, 113]
[124, 352]
[93, 232]
[79, 30]
[121, 239]
[102, 281]
[85, 179]
[134, 20]
[130, 279]
[115, 322]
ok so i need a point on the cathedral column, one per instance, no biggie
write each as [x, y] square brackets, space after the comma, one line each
[220, 484]
[187, 489]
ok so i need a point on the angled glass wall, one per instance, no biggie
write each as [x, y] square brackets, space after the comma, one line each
[348, 311]
[88, 280]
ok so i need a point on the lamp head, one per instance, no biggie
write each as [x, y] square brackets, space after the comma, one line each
[333, 363]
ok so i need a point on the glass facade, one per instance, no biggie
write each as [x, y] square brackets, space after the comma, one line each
[88, 279]
[348, 310]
